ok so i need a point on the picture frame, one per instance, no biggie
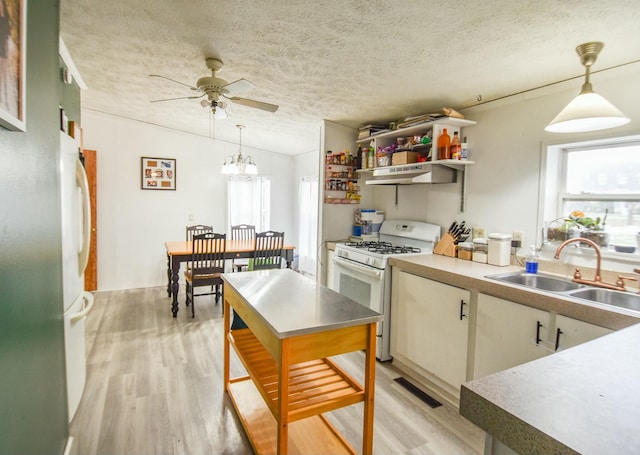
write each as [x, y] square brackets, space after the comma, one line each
[13, 58]
[157, 173]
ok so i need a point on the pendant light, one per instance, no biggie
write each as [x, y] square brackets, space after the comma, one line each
[239, 164]
[588, 111]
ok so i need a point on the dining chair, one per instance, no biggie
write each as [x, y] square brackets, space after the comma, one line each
[246, 232]
[205, 266]
[196, 230]
[268, 251]
[267, 255]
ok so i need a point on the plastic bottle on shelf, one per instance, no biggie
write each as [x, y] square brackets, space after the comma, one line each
[444, 145]
[464, 150]
[531, 263]
[371, 160]
[456, 147]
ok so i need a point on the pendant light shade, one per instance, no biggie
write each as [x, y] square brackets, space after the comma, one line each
[588, 111]
[239, 164]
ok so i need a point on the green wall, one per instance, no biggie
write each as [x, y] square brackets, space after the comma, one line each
[33, 414]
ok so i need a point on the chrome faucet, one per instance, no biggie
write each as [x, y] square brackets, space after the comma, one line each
[597, 281]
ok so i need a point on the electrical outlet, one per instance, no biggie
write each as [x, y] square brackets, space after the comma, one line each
[518, 235]
[478, 233]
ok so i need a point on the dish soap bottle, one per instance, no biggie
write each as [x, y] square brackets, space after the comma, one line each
[531, 263]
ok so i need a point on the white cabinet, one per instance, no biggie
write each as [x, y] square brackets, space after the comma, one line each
[572, 332]
[506, 334]
[510, 334]
[429, 327]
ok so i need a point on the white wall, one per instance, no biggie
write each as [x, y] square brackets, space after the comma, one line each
[133, 224]
[507, 145]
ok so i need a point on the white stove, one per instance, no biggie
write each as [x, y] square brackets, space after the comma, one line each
[396, 237]
[362, 271]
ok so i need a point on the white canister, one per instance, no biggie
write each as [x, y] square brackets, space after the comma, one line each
[499, 249]
[479, 250]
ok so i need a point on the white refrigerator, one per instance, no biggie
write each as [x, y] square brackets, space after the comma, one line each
[76, 232]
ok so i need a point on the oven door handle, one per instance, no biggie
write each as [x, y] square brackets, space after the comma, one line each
[369, 271]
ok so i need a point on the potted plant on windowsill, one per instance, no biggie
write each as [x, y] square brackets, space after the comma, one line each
[591, 228]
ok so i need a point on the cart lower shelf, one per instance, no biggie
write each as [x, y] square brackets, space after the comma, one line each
[311, 435]
[315, 387]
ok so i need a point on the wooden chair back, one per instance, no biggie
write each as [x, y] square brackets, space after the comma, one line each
[268, 252]
[207, 258]
[243, 232]
[196, 230]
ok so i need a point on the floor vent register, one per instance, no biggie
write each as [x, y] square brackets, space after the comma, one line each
[429, 400]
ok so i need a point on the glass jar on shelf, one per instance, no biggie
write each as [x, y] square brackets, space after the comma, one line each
[559, 230]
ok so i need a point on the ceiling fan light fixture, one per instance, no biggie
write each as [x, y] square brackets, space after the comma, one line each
[588, 111]
[239, 164]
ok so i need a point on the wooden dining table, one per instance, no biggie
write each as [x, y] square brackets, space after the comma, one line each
[180, 251]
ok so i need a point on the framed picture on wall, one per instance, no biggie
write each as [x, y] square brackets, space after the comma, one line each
[157, 173]
[13, 33]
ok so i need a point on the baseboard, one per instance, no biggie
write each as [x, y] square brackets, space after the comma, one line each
[69, 447]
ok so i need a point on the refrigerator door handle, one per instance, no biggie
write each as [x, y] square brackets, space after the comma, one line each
[83, 254]
[88, 304]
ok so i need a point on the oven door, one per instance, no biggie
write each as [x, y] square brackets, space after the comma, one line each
[359, 282]
[367, 286]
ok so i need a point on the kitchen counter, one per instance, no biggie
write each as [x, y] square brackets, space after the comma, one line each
[582, 400]
[472, 276]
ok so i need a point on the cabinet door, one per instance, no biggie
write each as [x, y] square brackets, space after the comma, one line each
[427, 327]
[575, 332]
[506, 335]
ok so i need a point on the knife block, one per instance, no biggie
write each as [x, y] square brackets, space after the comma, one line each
[446, 246]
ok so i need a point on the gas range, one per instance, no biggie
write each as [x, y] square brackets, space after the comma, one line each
[361, 270]
[397, 237]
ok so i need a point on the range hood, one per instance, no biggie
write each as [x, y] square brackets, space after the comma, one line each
[410, 174]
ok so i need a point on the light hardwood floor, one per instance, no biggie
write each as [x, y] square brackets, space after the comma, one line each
[154, 386]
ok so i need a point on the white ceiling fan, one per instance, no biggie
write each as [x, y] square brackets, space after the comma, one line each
[214, 88]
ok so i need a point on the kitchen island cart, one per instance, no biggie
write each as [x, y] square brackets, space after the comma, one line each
[294, 326]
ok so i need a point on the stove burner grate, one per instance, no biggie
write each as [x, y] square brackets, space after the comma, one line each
[383, 247]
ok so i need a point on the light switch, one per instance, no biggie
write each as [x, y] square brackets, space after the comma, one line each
[191, 217]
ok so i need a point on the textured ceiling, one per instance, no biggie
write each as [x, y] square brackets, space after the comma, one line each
[352, 61]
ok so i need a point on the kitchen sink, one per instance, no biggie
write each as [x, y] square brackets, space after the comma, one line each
[608, 296]
[538, 281]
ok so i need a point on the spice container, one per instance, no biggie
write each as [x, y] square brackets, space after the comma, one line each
[499, 249]
[480, 250]
[465, 250]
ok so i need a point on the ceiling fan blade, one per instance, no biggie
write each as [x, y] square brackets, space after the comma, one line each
[238, 87]
[256, 104]
[179, 98]
[173, 80]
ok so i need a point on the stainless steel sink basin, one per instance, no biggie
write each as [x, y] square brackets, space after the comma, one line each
[538, 281]
[620, 299]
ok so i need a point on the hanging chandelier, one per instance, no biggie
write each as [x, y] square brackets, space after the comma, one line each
[239, 164]
[588, 111]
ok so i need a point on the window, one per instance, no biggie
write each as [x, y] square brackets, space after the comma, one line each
[248, 201]
[602, 180]
[308, 225]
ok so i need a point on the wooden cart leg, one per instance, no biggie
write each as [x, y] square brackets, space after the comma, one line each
[226, 343]
[369, 389]
[283, 399]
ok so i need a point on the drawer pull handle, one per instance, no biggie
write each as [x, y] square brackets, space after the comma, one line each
[538, 325]
[558, 332]
[462, 304]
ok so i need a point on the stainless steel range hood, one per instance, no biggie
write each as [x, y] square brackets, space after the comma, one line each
[410, 174]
